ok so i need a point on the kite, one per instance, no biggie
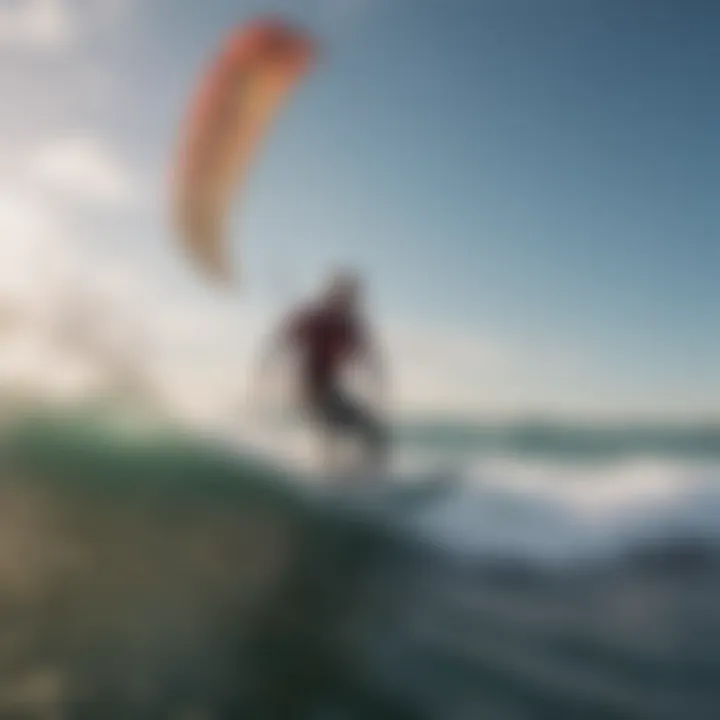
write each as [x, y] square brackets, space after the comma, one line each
[238, 98]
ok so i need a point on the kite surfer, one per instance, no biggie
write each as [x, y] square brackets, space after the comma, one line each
[326, 337]
[238, 97]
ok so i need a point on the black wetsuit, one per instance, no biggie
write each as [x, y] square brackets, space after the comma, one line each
[327, 340]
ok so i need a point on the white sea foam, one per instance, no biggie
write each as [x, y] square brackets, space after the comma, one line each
[561, 512]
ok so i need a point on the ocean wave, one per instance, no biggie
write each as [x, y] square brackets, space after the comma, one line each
[545, 509]
[196, 582]
[565, 512]
[551, 506]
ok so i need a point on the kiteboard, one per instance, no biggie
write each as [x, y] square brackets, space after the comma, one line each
[391, 492]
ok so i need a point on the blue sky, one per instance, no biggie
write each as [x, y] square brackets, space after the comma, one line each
[536, 178]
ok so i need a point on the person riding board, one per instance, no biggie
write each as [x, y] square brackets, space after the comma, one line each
[326, 337]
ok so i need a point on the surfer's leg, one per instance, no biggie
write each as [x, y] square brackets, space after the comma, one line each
[353, 418]
[329, 419]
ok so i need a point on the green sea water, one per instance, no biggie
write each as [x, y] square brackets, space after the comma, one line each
[147, 574]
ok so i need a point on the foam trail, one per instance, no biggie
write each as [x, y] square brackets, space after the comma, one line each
[535, 509]
[558, 512]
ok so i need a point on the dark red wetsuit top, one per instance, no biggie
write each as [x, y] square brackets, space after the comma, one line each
[326, 339]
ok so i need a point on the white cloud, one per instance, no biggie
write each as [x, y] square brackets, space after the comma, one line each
[30, 238]
[19, 218]
[32, 364]
[55, 24]
[35, 23]
[33, 255]
[83, 169]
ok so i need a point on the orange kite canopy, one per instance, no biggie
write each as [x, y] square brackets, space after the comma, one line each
[236, 102]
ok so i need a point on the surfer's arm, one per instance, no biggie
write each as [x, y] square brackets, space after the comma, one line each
[274, 346]
[277, 343]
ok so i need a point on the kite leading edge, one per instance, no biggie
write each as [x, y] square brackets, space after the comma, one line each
[237, 99]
